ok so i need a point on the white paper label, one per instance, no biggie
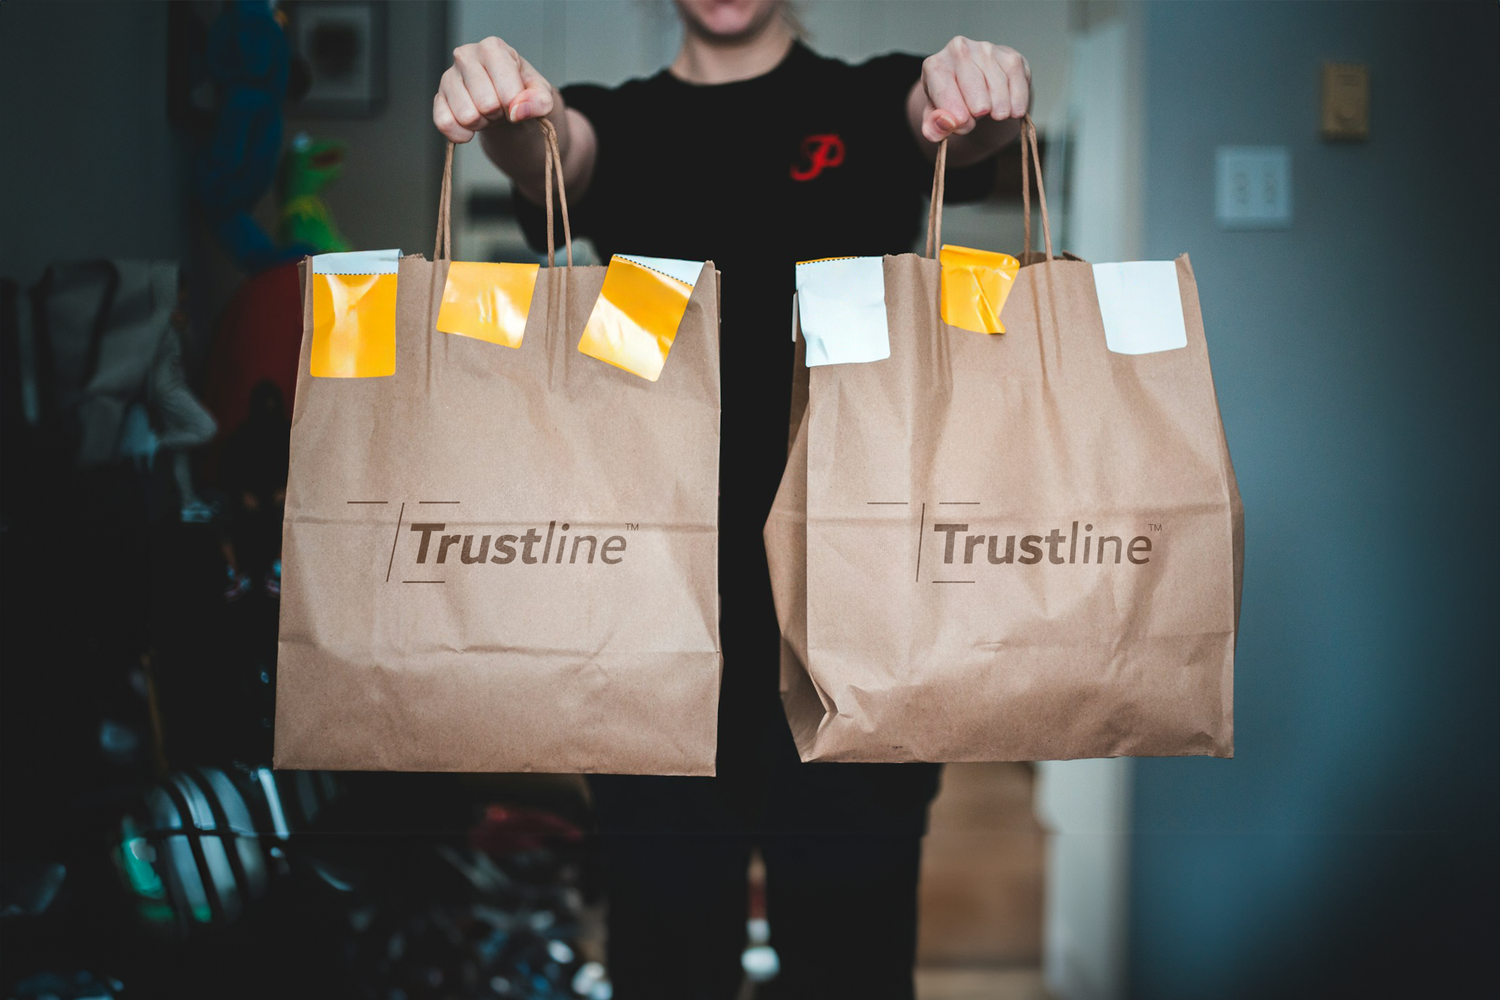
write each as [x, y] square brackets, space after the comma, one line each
[1141, 305]
[685, 271]
[841, 304]
[357, 262]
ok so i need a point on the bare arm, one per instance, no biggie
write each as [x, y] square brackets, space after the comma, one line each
[974, 95]
[490, 90]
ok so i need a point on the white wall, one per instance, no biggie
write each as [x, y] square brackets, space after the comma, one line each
[1105, 118]
[1086, 803]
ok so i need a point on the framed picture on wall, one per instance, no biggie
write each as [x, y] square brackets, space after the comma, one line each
[343, 44]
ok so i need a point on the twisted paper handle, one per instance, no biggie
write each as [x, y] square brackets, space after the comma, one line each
[552, 164]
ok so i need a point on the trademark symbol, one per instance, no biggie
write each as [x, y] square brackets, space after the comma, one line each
[631, 527]
[1152, 526]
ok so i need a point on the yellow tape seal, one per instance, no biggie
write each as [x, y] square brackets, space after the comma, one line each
[976, 284]
[636, 317]
[488, 302]
[354, 325]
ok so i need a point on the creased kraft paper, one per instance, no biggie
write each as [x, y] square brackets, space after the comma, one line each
[892, 652]
[593, 647]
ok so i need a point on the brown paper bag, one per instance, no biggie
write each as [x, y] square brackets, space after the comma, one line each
[1009, 547]
[599, 655]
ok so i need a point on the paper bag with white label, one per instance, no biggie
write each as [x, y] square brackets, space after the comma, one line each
[500, 548]
[1019, 546]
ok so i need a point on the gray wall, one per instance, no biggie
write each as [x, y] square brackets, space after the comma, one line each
[388, 193]
[1350, 845]
[93, 168]
[90, 166]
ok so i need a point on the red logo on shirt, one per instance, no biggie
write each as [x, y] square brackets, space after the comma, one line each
[822, 151]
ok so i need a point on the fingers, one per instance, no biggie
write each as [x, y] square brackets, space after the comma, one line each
[443, 118]
[975, 88]
[1009, 75]
[535, 98]
[452, 89]
[970, 80]
[508, 71]
[935, 124]
[998, 85]
[488, 82]
[947, 112]
[488, 72]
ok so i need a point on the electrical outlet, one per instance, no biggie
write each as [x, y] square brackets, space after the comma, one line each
[1254, 187]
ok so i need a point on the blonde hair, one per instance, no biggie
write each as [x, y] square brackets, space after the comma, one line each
[791, 16]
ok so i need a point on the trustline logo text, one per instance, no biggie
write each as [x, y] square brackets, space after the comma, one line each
[529, 548]
[1057, 547]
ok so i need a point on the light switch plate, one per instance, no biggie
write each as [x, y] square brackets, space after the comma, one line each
[1346, 102]
[1254, 187]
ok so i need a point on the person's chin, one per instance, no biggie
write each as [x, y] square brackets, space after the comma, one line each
[729, 23]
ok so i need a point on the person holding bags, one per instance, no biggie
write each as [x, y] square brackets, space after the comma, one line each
[755, 152]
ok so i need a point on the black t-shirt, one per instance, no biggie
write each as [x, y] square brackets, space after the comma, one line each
[813, 159]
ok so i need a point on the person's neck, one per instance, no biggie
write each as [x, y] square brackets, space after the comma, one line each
[704, 60]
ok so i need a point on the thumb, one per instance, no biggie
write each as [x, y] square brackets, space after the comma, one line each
[937, 124]
[533, 102]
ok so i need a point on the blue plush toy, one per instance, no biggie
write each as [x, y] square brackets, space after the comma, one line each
[249, 60]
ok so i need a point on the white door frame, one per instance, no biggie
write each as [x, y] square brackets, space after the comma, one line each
[1085, 804]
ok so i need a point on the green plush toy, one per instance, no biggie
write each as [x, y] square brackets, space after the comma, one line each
[310, 165]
